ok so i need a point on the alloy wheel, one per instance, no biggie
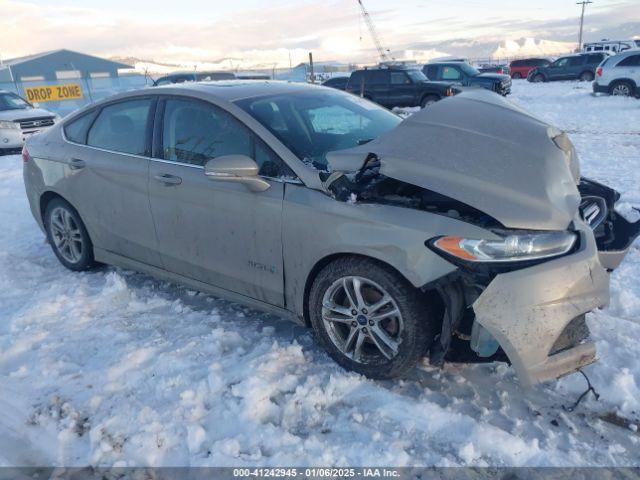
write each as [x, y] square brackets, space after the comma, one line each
[362, 320]
[622, 89]
[66, 235]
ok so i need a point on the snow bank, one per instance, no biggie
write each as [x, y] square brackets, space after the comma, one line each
[113, 367]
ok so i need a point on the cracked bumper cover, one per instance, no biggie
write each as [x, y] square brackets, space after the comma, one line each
[527, 310]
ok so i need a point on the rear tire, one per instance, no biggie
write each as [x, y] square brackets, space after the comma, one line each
[380, 333]
[68, 236]
[538, 78]
[586, 77]
[429, 100]
[516, 76]
[621, 88]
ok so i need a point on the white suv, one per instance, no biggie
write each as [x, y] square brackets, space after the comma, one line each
[619, 75]
[19, 120]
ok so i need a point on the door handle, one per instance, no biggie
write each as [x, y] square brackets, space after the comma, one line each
[76, 164]
[168, 179]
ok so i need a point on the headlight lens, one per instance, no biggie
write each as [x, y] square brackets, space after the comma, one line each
[511, 248]
[9, 125]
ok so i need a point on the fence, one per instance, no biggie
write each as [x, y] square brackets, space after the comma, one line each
[66, 95]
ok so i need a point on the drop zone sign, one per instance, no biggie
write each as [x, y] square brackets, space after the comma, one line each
[53, 93]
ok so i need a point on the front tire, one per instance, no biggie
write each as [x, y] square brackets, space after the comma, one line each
[369, 318]
[68, 236]
[516, 76]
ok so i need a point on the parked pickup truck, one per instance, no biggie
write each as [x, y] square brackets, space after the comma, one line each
[392, 86]
[462, 73]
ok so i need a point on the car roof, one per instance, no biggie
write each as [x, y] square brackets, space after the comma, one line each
[230, 90]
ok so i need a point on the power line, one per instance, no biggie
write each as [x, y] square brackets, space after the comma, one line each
[584, 4]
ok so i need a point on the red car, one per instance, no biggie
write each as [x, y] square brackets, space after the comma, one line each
[521, 68]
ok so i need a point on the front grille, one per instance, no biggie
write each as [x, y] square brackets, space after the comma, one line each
[593, 211]
[573, 335]
[35, 123]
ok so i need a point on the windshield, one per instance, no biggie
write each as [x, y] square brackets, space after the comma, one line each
[469, 70]
[312, 124]
[417, 75]
[11, 101]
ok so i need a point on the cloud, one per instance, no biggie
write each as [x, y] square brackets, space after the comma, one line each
[332, 29]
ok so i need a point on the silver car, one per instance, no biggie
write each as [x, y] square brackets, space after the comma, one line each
[19, 120]
[462, 232]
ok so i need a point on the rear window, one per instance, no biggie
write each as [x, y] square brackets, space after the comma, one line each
[76, 130]
[355, 79]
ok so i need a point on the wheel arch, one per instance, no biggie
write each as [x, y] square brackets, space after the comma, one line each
[326, 260]
[426, 95]
[46, 198]
[622, 80]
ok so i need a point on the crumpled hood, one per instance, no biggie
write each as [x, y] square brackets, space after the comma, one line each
[21, 114]
[482, 150]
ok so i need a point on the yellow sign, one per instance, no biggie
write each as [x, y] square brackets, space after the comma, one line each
[53, 93]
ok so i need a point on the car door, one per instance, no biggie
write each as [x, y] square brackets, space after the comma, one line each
[216, 232]
[574, 67]
[377, 86]
[109, 148]
[402, 90]
[557, 70]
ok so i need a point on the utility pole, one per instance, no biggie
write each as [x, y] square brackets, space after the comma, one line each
[584, 4]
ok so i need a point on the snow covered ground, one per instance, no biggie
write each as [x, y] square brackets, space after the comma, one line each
[115, 368]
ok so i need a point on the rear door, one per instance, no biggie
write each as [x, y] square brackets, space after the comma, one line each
[109, 151]
[220, 233]
[575, 66]
[377, 86]
[629, 68]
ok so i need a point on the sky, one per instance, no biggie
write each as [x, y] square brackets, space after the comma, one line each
[276, 32]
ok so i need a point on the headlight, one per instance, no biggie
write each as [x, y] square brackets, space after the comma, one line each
[9, 125]
[512, 248]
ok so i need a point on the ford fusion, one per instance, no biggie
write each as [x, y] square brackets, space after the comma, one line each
[464, 232]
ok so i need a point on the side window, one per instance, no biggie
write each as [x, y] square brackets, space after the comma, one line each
[596, 58]
[432, 72]
[379, 77]
[450, 73]
[194, 132]
[399, 78]
[575, 61]
[630, 61]
[121, 127]
[561, 62]
[76, 130]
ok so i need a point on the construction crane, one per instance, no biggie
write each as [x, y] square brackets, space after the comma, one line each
[382, 52]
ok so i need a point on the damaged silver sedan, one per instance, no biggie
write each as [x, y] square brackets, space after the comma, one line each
[464, 232]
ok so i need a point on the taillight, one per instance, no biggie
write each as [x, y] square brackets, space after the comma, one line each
[25, 154]
[599, 71]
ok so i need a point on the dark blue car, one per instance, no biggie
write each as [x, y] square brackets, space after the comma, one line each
[464, 74]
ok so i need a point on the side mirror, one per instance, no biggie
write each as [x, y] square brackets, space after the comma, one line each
[236, 168]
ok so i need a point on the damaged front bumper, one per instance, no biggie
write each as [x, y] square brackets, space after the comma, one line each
[537, 314]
